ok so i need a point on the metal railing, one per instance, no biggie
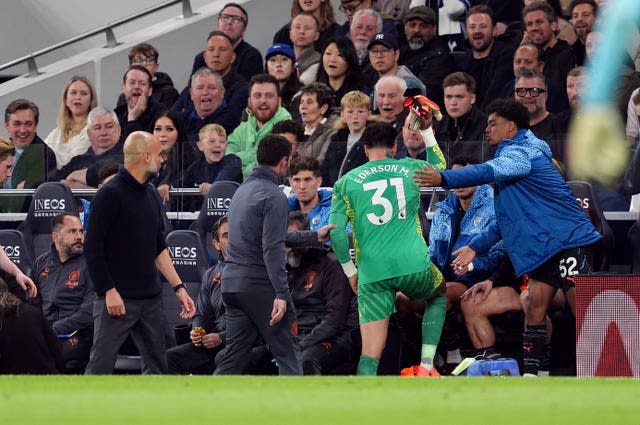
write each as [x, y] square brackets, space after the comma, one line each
[30, 59]
[436, 194]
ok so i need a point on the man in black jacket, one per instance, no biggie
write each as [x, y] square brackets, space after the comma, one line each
[140, 110]
[323, 300]
[233, 21]
[219, 56]
[424, 53]
[461, 131]
[208, 105]
[164, 92]
[488, 60]
[541, 24]
[66, 291]
[125, 249]
[103, 130]
[208, 332]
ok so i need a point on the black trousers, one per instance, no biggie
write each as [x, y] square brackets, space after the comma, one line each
[247, 317]
[323, 358]
[187, 358]
[144, 321]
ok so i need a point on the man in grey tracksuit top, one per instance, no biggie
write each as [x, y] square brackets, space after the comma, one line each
[254, 283]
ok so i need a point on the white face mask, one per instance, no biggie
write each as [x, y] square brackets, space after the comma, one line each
[293, 260]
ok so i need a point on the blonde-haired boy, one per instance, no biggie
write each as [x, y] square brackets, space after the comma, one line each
[212, 165]
[345, 151]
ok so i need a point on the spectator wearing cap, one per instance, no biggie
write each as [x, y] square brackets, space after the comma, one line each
[384, 53]
[351, 7]
[233, 20]
[424, 52]
[280, 61]
[304, 32]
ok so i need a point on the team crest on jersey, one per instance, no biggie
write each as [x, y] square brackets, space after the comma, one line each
[308, 280]
[217, 279]
[44, 273]
[315, 220]
[74, 279]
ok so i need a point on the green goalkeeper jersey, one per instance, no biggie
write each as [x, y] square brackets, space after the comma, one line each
[382, 203]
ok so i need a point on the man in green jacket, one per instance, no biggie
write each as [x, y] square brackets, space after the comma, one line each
[264, 111]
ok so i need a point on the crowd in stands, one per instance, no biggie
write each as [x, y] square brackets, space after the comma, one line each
[320, 84]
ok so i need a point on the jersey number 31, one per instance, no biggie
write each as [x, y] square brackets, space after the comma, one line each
[378, 198]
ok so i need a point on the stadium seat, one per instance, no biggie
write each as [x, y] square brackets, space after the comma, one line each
[190, 261]
[215, 205]
[49, 200]
[587, 199]
[12, 241]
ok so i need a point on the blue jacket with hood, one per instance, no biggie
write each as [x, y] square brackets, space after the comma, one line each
[475, 220]
[537, 214]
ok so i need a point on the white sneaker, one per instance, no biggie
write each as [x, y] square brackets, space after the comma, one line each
[529, 375]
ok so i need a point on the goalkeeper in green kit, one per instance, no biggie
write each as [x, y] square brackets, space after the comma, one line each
[381, 202]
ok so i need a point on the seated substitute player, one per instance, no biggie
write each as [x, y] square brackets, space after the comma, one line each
[307, 196]
[537, 216]
[382, 202]
[66, 292]
[323, 301]
[208, 332]
[462, 215]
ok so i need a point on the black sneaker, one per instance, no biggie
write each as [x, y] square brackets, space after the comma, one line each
[488, 354]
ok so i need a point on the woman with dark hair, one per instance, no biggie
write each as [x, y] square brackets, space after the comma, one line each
[340, 69]
[280, 61]
[27, 342]
[322, 10]
[169, 130]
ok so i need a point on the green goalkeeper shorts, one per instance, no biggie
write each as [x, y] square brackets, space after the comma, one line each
[376, 300]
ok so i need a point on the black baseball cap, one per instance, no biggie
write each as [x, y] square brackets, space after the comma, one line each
[385, 39]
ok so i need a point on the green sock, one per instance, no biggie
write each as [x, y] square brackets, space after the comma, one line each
[432, 323]
[368, 366]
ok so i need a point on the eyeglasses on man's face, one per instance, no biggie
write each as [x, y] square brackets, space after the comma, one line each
[143, 60]
[231, 18]
[533, 91]
[380, 52]
[351, 7]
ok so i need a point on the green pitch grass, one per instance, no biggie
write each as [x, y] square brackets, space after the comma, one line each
[306, 401]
